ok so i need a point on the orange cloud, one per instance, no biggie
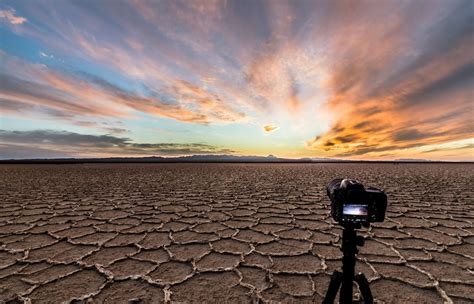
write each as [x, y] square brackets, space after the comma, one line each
[208, 103]
[270, 128]
[386, 99]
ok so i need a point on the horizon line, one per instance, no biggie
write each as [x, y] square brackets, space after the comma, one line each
[219, 158]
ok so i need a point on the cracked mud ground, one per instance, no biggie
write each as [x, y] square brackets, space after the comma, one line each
[227, 233]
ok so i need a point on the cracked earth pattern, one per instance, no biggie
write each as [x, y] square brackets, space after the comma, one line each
[227, 233]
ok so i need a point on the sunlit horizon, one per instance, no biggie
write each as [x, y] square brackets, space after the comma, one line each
[355, 80]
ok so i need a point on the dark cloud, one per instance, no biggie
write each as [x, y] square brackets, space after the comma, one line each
[462, 78]
[367, 112]
[338, 128]
[329, 144]
[52, 137]
[346, 138]
[449, 116]
[11, 151]
[49, 140]
[410, 134]
[407, 135]
[454, 27]
[450, 29]
[364, 149]
[7, 104]
[116, 130]
[363, 124]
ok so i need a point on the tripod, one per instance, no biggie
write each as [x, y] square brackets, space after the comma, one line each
[350, 241]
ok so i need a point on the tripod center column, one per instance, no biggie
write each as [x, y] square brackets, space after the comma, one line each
[349, 250]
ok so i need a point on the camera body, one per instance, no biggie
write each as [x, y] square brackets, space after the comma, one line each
[352, 203]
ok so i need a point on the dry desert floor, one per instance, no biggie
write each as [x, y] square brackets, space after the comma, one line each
[227, 233]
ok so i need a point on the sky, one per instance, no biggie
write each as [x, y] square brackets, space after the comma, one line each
[377, 80]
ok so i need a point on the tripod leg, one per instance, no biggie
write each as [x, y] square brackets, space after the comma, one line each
[334, 285]
[364, 288]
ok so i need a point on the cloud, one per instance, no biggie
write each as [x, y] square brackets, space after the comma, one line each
[270, 128]
[9, 151]
[37, 87]
[346, 138]
[52, 137]
[411, 134]
[462, 77]
[160, 44]
[9, 16]
[468, 147]
[352, 78]
[208, 102]
[414, 89]
[116, 130]
[52, 143]
[43, 54]
[28, 93]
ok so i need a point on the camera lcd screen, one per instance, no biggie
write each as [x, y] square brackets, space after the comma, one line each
[356, 210]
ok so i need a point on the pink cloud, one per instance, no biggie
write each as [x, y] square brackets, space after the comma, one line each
[9, 16]
[37, 85]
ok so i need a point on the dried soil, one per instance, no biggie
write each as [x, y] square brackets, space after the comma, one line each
[227, 233]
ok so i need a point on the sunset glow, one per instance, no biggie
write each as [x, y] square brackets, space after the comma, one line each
[337, 79]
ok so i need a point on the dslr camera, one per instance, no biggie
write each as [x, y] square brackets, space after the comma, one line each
[352, 203]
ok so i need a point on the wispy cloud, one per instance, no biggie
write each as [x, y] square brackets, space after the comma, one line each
[9, 16]
[36, 87]
[43, 54]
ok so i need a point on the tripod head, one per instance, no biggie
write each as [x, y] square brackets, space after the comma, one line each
[350, 239]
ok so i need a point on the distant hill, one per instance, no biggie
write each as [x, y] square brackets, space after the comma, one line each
[204, 159]
[411, 160]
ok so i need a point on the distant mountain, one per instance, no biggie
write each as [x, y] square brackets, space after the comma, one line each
[411, 160]
[224, 158]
